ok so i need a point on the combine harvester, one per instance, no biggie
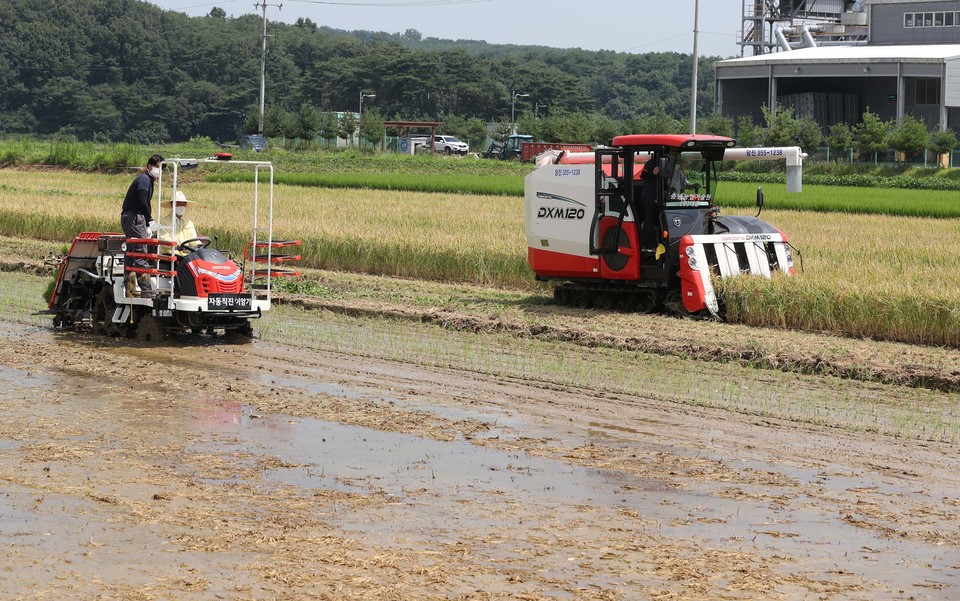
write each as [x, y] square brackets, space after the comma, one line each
[584, 214]
[205, 290]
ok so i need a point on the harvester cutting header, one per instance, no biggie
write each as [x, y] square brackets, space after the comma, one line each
[633, 225]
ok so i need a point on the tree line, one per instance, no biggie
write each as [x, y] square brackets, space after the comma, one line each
[126, 70]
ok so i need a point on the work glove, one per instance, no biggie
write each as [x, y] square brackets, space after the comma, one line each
[153, 226]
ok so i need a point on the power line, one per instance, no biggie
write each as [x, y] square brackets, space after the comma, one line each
[673, 37]
[679, 35]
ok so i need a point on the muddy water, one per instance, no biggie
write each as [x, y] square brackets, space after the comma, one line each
[440, 490]
[621, 500]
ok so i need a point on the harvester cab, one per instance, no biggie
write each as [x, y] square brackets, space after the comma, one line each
[634, 225]
[197, 288]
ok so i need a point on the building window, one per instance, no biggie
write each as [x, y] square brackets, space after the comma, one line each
[937, 19]
[928, 91]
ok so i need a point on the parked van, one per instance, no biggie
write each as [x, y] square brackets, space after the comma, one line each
[253, 142]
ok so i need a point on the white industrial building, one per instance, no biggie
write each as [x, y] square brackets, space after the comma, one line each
[834, 59]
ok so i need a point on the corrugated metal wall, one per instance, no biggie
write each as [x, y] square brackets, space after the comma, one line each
[886, 24]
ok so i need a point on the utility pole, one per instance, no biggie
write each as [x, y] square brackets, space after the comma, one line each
[513, 104]
[696, 59]
[263, 61]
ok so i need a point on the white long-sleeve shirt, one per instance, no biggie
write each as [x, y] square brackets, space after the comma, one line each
[183, 230]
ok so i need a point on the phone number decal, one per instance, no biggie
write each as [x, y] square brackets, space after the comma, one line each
[765, 152]
[566, 171]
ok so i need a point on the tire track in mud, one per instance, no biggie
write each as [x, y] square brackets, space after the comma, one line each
[756, 356]
[718, 350]
[628, 547]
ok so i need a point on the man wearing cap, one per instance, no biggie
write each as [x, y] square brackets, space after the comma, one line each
[181, 229]
[134, 219]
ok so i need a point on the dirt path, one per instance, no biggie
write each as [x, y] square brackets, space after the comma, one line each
[201, 471]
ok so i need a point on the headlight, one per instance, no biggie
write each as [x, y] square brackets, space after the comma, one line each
[692, 259]
[789, 257]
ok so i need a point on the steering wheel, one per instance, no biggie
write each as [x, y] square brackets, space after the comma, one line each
[202, 242]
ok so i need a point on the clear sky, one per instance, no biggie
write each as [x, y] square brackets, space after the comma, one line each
[622, 25]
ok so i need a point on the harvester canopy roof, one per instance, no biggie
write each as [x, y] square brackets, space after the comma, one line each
[672, 140]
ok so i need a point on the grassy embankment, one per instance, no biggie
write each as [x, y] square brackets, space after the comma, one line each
[881, 276]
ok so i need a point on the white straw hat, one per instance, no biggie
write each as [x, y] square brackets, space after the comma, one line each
[181, 200]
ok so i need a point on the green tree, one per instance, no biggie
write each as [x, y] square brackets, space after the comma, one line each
[453, 125]
[716, 124]
[329, 127]
[942, 142]
[530, 125]
[149, 132]
[783, 129]
[502, 131]
[278, 122]
[308, 122]
[476, 134]
[659, 122]
[749, 134]
[909, 136]
[347, 127]
[604, 129]
[55, 73]
[840, 138]
[251, 120]
[870, 135]
[371, 127]
[809, 133]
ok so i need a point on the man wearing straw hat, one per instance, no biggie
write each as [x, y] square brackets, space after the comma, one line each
[178, 229]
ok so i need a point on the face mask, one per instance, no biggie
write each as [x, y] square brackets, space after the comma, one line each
[155, 172]
[180, 211]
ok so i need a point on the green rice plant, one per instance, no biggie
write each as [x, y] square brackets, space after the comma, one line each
[115, 157]
[890, 278]
[67, 154]
[732, 195]
[442, 183]
[352, 161]
[859, 180]
[16, 152]
[839, 199]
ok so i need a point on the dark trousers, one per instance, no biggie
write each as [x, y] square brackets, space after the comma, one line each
[650, 230]
[135, 226]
